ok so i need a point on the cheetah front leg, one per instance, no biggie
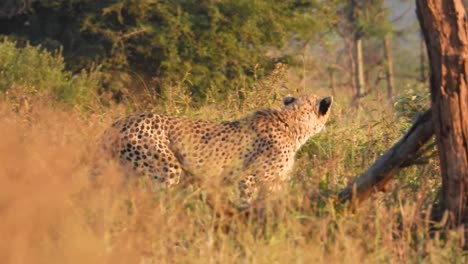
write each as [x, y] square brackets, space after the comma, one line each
[267, 175]
[248, 189]
[254, 189]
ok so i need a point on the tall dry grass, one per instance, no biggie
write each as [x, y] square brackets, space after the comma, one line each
[52, 213]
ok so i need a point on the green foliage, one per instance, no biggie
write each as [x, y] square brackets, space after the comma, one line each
[208, 44]
[367, 18]
[413, 100]
[372, 18]
[35, 70]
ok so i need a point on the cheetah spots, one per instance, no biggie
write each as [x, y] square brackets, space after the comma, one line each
[261, 145]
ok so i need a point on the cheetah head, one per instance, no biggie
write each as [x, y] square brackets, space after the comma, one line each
[306, 115]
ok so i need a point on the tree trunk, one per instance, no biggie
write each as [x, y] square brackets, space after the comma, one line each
[332, 81]
[331, 73]
[352, 64]
[422, 61]
[389, 65]
[359, 67]
[445, 30]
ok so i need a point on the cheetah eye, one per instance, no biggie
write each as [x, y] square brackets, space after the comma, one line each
[289, 100]
[325, 104]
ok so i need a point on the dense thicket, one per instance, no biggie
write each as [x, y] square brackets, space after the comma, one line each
[209, 44]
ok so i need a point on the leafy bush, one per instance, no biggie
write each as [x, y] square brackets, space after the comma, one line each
[36, 70]
[220, 45]
[209, 44]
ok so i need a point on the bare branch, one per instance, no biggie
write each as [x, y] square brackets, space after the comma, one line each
[400, 155]
[132, 34]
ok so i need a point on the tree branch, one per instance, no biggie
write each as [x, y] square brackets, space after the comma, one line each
[398, 156]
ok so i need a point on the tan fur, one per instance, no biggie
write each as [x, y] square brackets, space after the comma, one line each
[256, 151]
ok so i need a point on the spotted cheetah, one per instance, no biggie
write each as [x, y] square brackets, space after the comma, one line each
[255, 152]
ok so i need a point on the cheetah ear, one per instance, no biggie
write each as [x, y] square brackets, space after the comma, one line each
[289, 100]
[325, 104]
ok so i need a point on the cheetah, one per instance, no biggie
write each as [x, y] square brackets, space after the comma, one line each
[256, 152]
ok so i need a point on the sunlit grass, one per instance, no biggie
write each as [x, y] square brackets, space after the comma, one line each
[52, 213]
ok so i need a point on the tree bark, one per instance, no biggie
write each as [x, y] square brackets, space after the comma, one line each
[389, 65]
[444, 27]
[384, 168]
[422, 60]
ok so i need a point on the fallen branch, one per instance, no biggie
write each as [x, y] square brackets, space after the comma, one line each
[406, 150]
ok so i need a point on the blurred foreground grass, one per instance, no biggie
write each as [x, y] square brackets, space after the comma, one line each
[52, 213]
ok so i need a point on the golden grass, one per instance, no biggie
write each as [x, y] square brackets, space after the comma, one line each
[51, 212]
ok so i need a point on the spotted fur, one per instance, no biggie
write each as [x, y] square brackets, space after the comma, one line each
[256, 151]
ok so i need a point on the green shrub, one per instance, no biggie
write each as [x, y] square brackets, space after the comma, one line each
[222, 45]
[37, 71]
